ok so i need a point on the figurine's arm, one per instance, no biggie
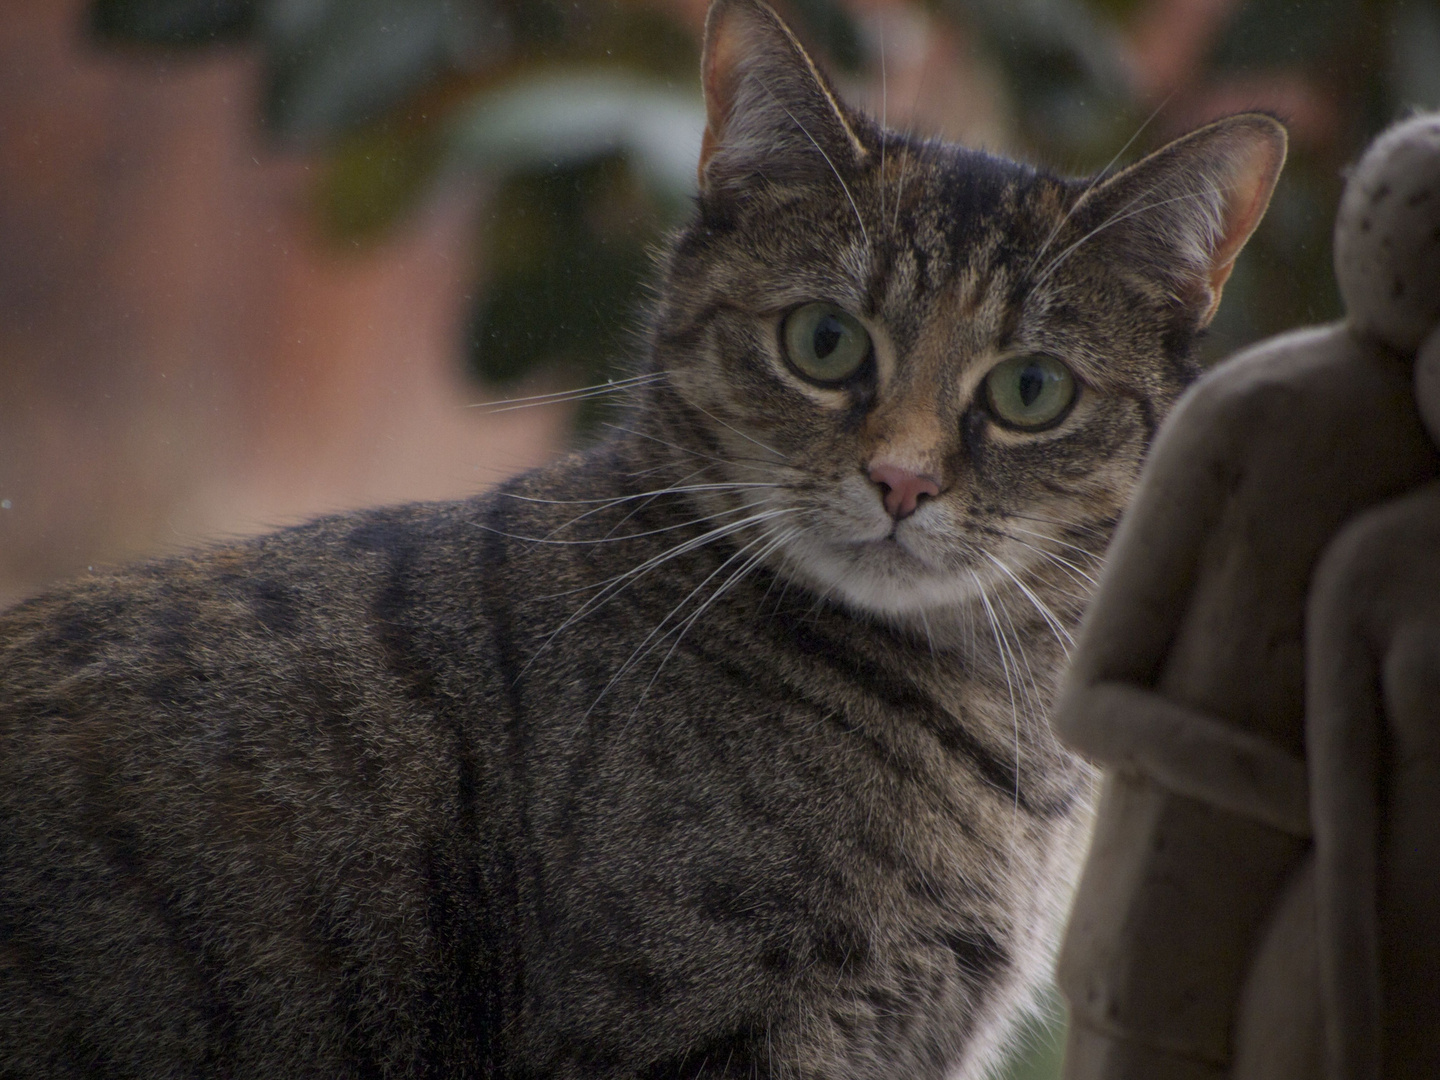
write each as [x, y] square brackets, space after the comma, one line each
[1107, 710]
[1128, 727]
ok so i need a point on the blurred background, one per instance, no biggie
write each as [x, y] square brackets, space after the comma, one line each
[261, 259]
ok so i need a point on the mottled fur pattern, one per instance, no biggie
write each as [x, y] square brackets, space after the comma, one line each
[680, 758]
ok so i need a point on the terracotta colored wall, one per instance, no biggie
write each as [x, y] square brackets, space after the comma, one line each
[180, 356]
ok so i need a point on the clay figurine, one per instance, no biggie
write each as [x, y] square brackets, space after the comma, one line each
[1191, 951]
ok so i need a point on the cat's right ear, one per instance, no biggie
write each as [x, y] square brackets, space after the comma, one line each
[769, 111]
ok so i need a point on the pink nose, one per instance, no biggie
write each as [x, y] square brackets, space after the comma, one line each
[902, 490]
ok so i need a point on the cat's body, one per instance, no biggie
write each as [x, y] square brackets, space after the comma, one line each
[335, 811]
[717, 751]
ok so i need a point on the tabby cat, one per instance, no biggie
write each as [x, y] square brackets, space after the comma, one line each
[718, 750]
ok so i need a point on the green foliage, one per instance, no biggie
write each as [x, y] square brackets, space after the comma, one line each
[1062, 65]
[1364, 63]
[375, 176]
[172, 22]
[577, 107]
[828, 26]
[334, 65]
[588, 114]
[567, 251]
[565, 116]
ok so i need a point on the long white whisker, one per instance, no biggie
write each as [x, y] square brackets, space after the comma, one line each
[884, 102]
[669, 553]
[843, 186]
[609, 539]
[1072, 526]
[929, 638]
[1062, 636]
[1115, 219]
[1095, 180]
[1009, 684]
[622, 581]
[640, 650]
[1018, 658]
[910, 157]
[734, 579]
[641, 504]
[578, 394]
[680, 631]
[1069, 569]
[638, 504]
[737, 431]
[745, 508]
[1033, 700]
[1071, 547]
[905, 164]
[738, 462]
[618, 499]
[640, 501]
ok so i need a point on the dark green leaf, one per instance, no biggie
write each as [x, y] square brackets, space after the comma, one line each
[570, 116]
[567, 250]
[172, 22]
[373, 178]
[1271, 33]
[1063, 68]
[1055, 40]
[335, 65]
[1415, 55]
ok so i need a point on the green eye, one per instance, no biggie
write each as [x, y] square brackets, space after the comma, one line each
[824, 343]
[1029, 392]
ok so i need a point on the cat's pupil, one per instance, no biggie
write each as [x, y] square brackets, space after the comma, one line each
[827, 336]
[1032, 381]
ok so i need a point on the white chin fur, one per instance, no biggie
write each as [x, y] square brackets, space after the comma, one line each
[879, 577]
[928, 576]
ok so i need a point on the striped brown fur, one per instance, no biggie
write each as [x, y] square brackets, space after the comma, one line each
[678, 758]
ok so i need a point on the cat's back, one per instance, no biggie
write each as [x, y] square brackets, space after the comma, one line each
[222, 654]
[370, 605]
[241, 799]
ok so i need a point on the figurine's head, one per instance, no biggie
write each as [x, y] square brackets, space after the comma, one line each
[1387, 235]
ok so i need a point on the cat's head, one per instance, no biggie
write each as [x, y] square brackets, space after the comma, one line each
[920, 369]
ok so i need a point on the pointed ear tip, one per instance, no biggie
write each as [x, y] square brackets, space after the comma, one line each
[1266, 138]
[723, 14]
[719, 53]
[725, 40]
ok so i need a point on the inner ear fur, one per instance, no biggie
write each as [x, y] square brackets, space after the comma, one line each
[769, 110]
[1184, 212]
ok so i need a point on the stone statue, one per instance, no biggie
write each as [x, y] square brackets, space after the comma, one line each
[1210, 936]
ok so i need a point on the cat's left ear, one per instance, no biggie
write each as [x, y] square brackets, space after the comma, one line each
[769, 111]
[1183, 213]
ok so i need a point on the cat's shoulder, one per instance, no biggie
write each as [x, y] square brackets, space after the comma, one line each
[341, 579]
